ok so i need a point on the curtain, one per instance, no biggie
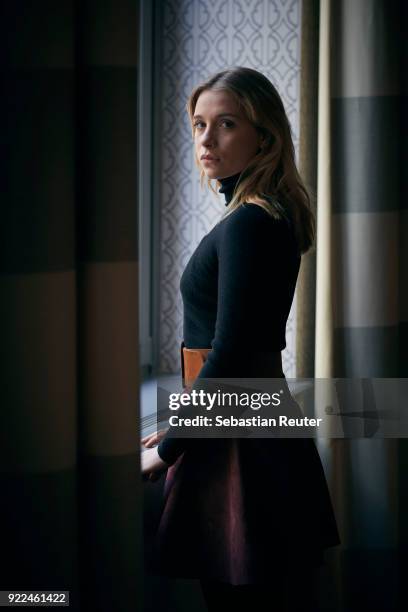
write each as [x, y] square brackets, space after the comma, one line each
[355, 285]
[70, 475]
[306, 287]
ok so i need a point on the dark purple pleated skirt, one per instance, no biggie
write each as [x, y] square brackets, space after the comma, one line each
[243, 510]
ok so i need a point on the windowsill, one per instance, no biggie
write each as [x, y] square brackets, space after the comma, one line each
[148, 403]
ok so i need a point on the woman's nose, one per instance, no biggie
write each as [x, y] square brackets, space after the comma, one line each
[208, 138]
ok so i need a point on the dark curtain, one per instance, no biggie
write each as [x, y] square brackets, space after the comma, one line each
[70, 484]
[352, 317]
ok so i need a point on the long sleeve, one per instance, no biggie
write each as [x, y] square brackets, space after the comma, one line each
[256, 257]
[257, 264]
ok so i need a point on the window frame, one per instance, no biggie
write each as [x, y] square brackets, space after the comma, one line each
[149, 187]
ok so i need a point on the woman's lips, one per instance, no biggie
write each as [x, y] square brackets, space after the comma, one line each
[206, 160]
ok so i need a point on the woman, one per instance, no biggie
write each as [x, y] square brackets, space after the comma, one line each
[246, 516]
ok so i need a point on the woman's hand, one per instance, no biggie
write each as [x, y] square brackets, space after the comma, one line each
[154, 438]
[152, 465]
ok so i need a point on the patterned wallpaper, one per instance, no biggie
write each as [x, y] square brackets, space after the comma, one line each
[201, 37]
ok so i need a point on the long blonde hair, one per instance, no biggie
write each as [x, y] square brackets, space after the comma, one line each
[271, 175]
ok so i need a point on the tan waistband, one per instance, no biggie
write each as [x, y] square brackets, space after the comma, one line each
[192, 360]
[265, 364]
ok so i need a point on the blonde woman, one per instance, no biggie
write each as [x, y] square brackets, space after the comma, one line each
[249, 517]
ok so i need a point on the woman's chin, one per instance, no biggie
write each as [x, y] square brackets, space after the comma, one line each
[211, 173]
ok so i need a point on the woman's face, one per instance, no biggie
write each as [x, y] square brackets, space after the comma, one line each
[222, 133]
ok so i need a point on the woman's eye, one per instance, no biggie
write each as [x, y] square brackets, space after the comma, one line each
[225, 122]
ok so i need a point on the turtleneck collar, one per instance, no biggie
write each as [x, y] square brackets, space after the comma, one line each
[227, 186]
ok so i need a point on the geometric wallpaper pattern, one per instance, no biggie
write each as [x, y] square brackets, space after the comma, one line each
[199, 38]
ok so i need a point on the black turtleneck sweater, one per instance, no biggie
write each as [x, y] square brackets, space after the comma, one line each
[237, 291]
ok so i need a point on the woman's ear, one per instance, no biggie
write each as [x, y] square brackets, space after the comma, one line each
[261, 144]
[264, 138]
